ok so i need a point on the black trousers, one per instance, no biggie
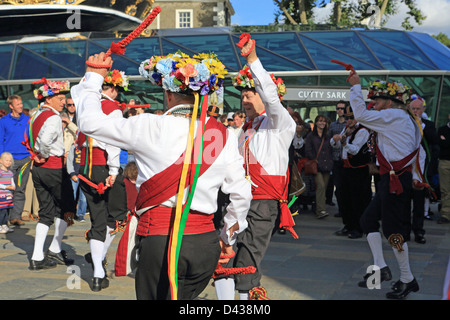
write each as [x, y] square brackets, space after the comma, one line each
[394, 211]
[54, 192]
[356, 194]
[105, 209]
[252, 243]
[199, 255]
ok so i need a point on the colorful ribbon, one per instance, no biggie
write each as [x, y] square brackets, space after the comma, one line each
[182, 212]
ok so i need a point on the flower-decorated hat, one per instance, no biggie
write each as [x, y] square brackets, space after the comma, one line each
[203, 73]
[417, 97]
[395, 91]
[244, 80]
[117, 79]
[50, 88]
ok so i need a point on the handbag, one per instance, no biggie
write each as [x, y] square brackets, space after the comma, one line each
[311, 165]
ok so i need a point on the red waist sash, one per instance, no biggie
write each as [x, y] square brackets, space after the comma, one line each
[52, 163]
[158, 221]
[272, 187]
[395, 168]
[99, 156]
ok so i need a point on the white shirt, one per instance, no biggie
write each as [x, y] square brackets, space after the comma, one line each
[397, 134]
[50, 140]
[113, 159]
[353, 148]
[270, 144]
[157, 141]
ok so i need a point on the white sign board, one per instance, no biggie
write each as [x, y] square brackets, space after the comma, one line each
[312, 94]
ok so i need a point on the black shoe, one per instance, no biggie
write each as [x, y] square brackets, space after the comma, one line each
[343, 232]
[420, 239]
[60, 257]
[43, 264]
[331, 203]
[355, 234]
[401, 290]
[99, 284]
[282, 231]
[428, 217]
[385, 275]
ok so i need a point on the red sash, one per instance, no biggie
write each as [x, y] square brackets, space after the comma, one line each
[51, 162]
[164, 185]
[385, 167]
[272, 187]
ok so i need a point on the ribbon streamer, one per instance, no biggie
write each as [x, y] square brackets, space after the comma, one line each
[347, 66]
[120, 47]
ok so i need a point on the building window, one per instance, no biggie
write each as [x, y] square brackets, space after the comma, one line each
[184, 18]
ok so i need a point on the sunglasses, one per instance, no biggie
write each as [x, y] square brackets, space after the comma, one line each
[349, 118]
[340, 108]
[70, 104]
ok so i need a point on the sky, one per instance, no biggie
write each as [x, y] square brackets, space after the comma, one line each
[261, 12]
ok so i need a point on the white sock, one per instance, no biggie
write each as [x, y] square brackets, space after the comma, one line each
[402, 257]
[109, 239]
[60, 229]
[376, 246]
[244, 296]
[426, 206]
[224, 289]
[97, 257]
[39, 241]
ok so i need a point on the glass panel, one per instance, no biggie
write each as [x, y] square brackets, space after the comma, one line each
[232, 97]
[27, 65]
[286, 44]
[426, 87]
[399, 41]
[291, 81]
[3, 96]
[145, 93]
[444, 108]
[66, 53]
[346, 41]
[438, 53]
[322, 55]
[218, 44]
[122, 63]
[5, 60]
[394, 60]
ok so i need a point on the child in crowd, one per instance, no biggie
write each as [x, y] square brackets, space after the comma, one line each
[6, 187]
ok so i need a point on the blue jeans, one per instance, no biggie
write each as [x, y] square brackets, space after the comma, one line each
[82, 204]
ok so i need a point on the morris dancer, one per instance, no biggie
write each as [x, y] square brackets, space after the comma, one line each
[355, 178]
[51, 180]
[100, 164]
[264, 143]
[160, 145]
[398, 146]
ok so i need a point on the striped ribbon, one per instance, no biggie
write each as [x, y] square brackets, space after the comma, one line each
[182, 212]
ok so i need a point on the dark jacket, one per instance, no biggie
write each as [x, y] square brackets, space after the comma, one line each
[444, 143]
[325, 159]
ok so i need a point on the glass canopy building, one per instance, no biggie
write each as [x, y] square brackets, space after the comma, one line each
[301, 58]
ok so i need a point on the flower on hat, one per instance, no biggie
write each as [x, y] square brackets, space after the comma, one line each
[50, 88]
[390, 90]
[178, 72]
[117, 79]
[244, 79]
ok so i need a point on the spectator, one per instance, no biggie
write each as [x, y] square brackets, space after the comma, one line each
[430, 140]
[12, 132]
[6, 188]
[70, 107]
[324, 161]
[337, 127]
[130, 175]
[73, 168]
[444, 171]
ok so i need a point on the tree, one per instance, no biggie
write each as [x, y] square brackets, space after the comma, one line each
[443, 38]
[295, 11]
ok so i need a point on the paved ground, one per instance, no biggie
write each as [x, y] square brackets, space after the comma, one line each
[318, 266]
